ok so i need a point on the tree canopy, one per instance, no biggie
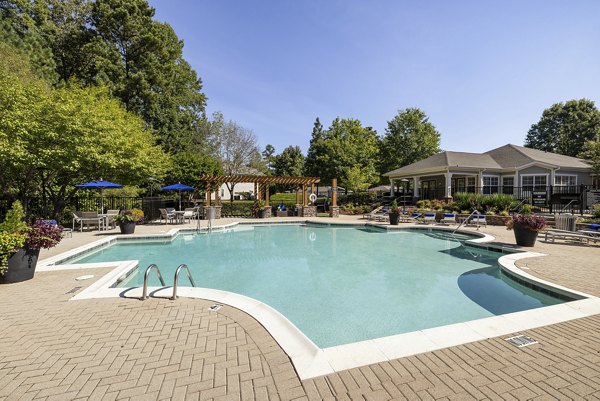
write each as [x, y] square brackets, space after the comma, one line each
[565, 128]
[345, 145]
[409, 137]
[51, 139]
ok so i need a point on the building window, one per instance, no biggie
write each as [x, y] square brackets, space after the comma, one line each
[471, 184]
[508, 184]
[565, 180]
[490, 185]
[534, 182]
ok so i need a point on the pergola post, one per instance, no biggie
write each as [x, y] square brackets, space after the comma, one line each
[334, 210]
[217, 194]
[304, 200]
[267, 189]
[208, 195]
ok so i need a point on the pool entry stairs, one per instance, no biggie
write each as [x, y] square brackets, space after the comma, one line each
[154, 267]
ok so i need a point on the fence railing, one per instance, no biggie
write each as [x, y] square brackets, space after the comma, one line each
[551, 198]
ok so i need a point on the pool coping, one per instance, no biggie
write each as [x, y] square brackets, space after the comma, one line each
[308, 359]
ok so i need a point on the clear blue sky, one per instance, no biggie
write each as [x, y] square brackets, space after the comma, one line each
[483, 71]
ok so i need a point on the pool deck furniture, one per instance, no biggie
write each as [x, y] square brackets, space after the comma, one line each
[164, 214]
[477, 220]
[372, 214]
[428, 218]
[411, 218]
[449, 218]
[583, 236]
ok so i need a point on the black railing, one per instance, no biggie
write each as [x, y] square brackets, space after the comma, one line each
[552, 198]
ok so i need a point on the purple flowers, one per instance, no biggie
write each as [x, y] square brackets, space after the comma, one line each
[528, 221]
[43, 235]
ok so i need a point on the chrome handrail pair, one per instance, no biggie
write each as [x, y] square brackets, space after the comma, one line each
[162, 281]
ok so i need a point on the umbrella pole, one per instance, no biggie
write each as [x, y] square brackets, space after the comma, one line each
[180, 200]
[101, 202]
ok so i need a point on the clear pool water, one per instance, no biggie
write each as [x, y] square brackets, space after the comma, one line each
[340, 284]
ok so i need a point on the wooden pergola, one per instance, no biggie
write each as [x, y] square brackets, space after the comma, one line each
[261, 185]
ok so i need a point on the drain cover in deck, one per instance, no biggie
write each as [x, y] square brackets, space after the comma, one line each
[521, 341]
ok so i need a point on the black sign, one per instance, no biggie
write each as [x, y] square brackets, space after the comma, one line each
[539, 198]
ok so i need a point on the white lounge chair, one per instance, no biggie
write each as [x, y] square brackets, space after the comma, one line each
[477, 220]
[411, 218]
[372, 214]
[428, 218]
[449, 218]
[552, 235]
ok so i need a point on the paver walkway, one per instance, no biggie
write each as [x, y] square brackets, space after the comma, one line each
[53, 348]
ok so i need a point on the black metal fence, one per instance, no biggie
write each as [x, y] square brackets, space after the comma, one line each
[551, 199]
[39, 207]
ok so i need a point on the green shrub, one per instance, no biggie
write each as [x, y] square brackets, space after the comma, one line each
[596, 211]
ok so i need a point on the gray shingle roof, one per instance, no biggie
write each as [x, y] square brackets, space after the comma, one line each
[505, 157]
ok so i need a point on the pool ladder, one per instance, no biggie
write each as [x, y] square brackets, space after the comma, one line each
[155, 268]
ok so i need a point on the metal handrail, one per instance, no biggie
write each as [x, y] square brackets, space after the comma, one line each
[466, 220]
[176, 279]
[146, 274]
[565, 207]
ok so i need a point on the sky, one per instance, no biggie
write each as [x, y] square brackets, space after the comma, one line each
[483, 71]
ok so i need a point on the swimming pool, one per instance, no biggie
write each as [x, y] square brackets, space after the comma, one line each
[340, 285]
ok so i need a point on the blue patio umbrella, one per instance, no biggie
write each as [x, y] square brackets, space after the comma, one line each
[178, 187]
[99, 185]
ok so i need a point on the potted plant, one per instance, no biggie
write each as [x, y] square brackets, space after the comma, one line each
[127, 220]
[20, 245]
[526, 228]
[259, 208]
[394, 213]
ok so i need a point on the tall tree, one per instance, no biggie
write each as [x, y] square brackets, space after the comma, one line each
[290, 162]
[268, 156]
[235, 146]
[51, 139]
[346, 144]
[564, 128]
[409, 137]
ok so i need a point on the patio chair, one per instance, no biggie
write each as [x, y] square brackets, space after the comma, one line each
[85, 219]
[189, 213]
[91, 219]
[580, 236]
[110, 218]
[428, 218]
[164, 214]
[449, 218]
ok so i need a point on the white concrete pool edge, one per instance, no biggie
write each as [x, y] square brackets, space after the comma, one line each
[311, 361]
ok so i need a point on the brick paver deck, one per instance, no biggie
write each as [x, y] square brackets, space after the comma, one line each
[55, 349]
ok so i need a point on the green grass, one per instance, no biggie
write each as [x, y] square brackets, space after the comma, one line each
[285, 198]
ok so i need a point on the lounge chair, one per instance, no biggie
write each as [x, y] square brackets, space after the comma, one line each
[477, 220]
[411, 218]
[372, 214]
[164, 214]
[449, 218]
[585, 238]
[428, 218]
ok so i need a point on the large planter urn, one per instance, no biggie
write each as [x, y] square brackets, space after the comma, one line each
[524, 236]
[262, 213]
[21, 266]
[127, 227]
[394, 218]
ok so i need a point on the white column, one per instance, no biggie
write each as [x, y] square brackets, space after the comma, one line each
[480, 183]
[516, 184]
[391, 187]
[448, 184]
[416, 187]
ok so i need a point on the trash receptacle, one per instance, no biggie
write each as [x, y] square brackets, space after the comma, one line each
[211, 213]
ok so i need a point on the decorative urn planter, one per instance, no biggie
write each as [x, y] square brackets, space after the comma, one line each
[394, 218]
[524, 236]
[262, 213]
[127, 227]
[21, 266]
